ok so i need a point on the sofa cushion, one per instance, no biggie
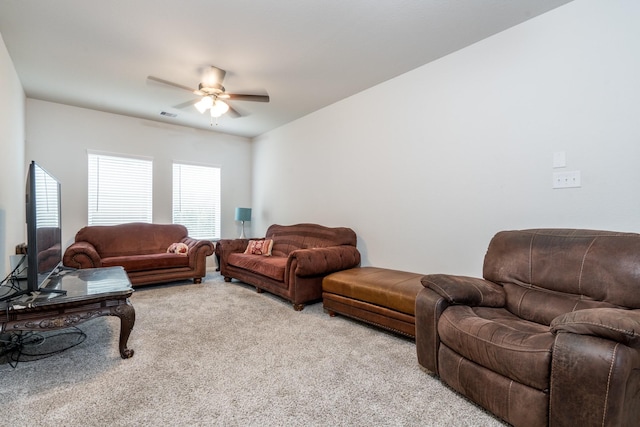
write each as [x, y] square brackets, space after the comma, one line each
[583, 264]
[499, 341]
[542, 306]
[147, 262]
[289, 238]
[272, 266]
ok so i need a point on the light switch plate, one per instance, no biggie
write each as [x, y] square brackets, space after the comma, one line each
[559, 159]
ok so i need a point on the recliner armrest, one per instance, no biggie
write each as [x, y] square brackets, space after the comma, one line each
[327, 260]
[464, 290]
[610, 323]
[429, 307]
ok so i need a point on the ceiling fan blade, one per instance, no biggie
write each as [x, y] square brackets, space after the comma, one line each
[187, 104]
[233, 112]
[176, 85]
[242, 97]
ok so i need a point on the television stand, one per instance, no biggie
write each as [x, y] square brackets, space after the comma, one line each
[43, 290]
[51, 291]
[54, 280]
[90, 293]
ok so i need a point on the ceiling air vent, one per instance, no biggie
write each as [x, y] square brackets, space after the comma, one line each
[164, 113]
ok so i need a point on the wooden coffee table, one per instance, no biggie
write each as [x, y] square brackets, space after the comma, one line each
[90, 293]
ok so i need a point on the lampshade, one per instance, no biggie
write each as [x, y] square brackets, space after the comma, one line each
[219, 108]
[204, 104]
[243, 214]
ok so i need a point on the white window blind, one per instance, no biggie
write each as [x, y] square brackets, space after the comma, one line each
[120, 189]
[196, 199]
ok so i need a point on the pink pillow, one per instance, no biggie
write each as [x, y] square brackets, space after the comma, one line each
[259, 247]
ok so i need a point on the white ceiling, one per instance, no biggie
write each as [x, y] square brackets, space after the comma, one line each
[304, 54]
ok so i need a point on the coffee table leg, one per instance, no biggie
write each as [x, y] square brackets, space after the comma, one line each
[127, 316]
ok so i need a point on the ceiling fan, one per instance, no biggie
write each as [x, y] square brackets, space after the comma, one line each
[214, 96]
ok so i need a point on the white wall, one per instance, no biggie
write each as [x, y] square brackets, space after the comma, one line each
[12, 163]
[58, 137]
[428, 166]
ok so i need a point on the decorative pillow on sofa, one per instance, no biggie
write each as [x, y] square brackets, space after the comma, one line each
[178, 248]
[259, 247]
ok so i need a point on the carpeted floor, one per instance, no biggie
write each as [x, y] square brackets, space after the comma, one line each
[220, 354]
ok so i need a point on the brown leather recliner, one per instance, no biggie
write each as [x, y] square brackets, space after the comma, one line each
[550, 336]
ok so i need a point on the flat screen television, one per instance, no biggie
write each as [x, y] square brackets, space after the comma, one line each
[44, 226]
[44, 230]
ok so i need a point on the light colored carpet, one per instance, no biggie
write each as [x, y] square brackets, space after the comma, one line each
[221, 354]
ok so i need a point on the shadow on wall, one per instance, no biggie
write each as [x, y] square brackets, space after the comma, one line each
[364, 254]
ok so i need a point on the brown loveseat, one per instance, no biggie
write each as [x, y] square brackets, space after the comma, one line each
[301, 256]
[550, 336]
[140, 248]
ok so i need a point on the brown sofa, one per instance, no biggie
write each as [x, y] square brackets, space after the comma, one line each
[301, 256]
[140, 248]
[550, 336]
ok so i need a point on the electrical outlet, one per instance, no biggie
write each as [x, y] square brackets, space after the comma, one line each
[569, 179]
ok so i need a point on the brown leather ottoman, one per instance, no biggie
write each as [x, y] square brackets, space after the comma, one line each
[381, 297]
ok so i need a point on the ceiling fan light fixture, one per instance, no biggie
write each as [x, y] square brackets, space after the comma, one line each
[219, 108]
[212, 94]
[204, 104]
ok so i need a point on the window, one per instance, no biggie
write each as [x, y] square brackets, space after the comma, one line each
[120, 189]
[196, 199]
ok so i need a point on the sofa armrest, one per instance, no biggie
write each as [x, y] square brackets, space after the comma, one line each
[465, 290]
[315, 261]
[614, 324]
[224, 247]
[199, 250]
[198, 245]
[82, 255]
